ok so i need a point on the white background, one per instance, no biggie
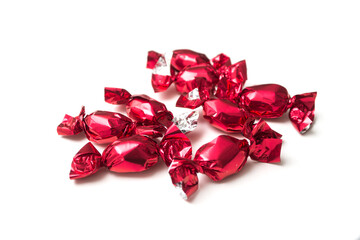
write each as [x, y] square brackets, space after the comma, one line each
[56, 56]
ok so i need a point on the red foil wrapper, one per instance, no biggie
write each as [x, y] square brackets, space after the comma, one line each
[105, 127]
[132, 154]
[152, 59]
[86, 162]
[160, 83]
[183, 58]
[302, 111]
[226, 115]
[153, 131]
[183, 175]
[221, 61]
[116, 95]
[148, 111]
[71, 125]
[144, 109]
[196, 97]
[265, 143]
[265, 101]
[231, 81]
[101, 127]
[272, 101]
[175, 144]
[186, 80]
[222, 157]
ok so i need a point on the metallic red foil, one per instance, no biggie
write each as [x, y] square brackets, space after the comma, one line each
[153, 131]
[302, 111]
[116, 95]
[160, 83]
[265, 143]
[183, 58]
[186, 80]
[132, 154]
[71, 125]
[148, 111]
[196, 97]
[222, 157]
[86, 162]
[105, 127]
[175, 144]
[226, 115]
[152, 59]
[231, 81]
[265, 101]
[183, 175]
[220, 61]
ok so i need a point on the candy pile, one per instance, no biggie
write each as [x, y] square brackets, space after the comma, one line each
[216, 85]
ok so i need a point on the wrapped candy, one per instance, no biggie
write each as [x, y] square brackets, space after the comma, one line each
[143, 109]
[186, 80]
[100, 127]
[272, 101]
[222, 157]
[226, 115]
[132, 154]
[184, 58]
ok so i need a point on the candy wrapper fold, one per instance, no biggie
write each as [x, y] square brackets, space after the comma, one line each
[175, 144]
[183, 175]
[86, 162]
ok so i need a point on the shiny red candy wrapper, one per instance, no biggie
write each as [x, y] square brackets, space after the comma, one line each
[133, 154]
[222, 157]
[186, 80]
[86, 162]
[183, 58]
[175, 144]
[152, 59]
[160, 82]
[226, 115]
[183, 175]
[147, 110]
[302, 111]
[265, 143]
[105, 127]
[100, 127]
[217, 86]
[116, 95]
[272, 101]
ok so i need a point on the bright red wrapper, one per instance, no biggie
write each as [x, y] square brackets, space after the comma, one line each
[101, 127]
[175, 144]
[222, 157]
[183, 175]
[273, 100]
[183, 58]
[226, 115]
[86, 162]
